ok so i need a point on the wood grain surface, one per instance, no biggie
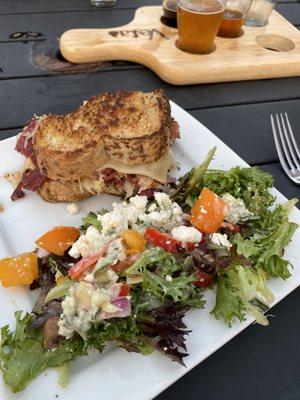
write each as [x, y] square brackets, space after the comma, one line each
[147, 41]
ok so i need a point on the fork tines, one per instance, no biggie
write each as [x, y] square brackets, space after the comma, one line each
[286, 146]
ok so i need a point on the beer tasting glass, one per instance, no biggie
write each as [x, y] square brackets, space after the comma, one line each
[233, 19]
[259, 12]
[198, 22]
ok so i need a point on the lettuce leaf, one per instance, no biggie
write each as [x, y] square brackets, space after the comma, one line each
[229, 305]
[166, 330]
[180, 289]
[250, 184]
[190, 185]
[23, 357]
[272, 247]
[122, 331]
[270, 235]
[242, 289]
[59, 291]
[251, 285]
[91, 219]
[157, 267]
[152, 258]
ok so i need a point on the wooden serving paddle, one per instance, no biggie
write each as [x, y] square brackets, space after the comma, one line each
[267, 52]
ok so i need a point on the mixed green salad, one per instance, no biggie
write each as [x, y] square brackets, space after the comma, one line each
[130, 274]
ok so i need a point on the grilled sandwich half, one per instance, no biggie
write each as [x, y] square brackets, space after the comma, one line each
[118, 143]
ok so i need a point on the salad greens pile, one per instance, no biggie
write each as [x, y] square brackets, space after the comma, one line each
[165, 284]
[156, 323]
[259, 247]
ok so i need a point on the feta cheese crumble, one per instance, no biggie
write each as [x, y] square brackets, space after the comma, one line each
[92, 242]
[186, 234]
[73, 208]
[220, 240]
[238, 211]
[81, 306]
[135, 214]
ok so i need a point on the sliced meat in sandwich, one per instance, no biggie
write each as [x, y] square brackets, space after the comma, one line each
[118, 143]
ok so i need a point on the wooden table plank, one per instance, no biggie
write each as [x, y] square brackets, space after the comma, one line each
[31, 6]
[290, 11]
[282, 183]
[247, 128]
[60, 22]
[21, 98]
[7, 133]
[17, 60]
[267, 357]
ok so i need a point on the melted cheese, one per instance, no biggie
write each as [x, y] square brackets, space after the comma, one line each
[157, 170]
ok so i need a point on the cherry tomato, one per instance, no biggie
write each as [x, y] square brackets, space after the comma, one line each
[203, 279]
[58, 239]
[122, 265]
[83, 265]
[167, 242]
[208, 212]
[124, 290]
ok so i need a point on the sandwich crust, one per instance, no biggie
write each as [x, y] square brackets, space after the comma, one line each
[130, 127]
[135, 125]
[66, 147]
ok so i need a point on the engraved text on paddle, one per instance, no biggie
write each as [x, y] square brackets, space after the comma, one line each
[137, 33]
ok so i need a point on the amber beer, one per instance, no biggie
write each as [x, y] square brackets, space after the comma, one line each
[231, 25]
[198, 22]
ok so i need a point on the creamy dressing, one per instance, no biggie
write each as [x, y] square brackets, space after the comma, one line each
[82, 307]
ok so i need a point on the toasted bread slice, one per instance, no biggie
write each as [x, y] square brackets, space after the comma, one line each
[130, 127]
[68, 147]
[135, 125]
[56, 191]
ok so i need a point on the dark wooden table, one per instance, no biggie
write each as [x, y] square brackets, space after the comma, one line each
[261, 363]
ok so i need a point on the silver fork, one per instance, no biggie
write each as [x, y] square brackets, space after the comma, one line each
[286, 146]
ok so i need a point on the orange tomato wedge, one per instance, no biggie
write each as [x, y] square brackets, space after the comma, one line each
[84, 264]
[58, 239]
[134, 242]
[19, 270]
[209, 211]
[123, 265]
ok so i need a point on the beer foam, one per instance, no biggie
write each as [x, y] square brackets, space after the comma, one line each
[203, 6]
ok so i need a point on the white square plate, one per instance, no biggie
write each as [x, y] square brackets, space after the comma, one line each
[115, 373]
